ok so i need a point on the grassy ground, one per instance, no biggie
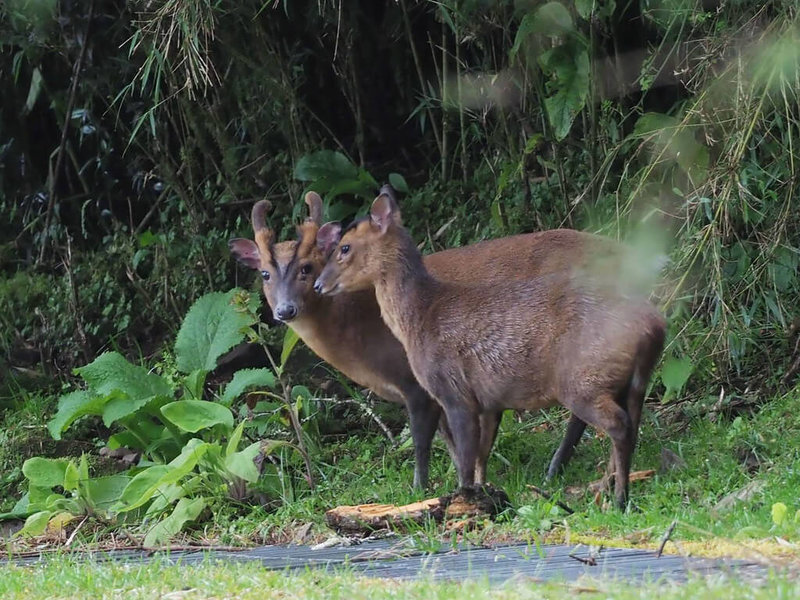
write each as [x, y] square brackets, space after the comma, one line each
[754, 456]
[723, 456]
[733, 472]
[65, 579]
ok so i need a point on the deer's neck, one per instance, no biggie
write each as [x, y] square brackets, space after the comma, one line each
[404, 289]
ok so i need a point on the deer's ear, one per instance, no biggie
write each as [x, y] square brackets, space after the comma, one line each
[246, 252]
[328, 236]
[314, 203]
[384, 212]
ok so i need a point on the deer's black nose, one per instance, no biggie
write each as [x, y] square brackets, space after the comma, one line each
[318, 286]
[286, 312]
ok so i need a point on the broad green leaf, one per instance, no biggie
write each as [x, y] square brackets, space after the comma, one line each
[33, 91]
[247, 379]
[22, 508]
[241, 463]
[675, 373]
[111, 372]
[233, 441]
[398, 182]
[552, 18]
[141, 488]
[568, 66]
[194, 383]
[36, 523]
[584, 8]
[124, 439]
[332, 174]
[167, 495]
[192, 452]
[72, 406]
[104, 492]
[212, 327]
[160, 479]
[523, 35]
[37, 496]
[46, 472]
[163, 531]
[122, 405]
[779, 511]
[325, 164]
[72, 477]
[194, 415]
[290, 339]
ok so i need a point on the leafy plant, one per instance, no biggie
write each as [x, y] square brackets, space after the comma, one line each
[191, 447]
[566, 65]
[60, 491]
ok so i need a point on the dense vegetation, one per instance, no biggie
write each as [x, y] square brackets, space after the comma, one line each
[135, 136]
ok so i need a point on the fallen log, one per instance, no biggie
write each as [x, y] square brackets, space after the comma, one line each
[464, 504]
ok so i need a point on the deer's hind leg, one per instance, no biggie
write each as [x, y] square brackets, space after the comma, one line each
[489, 424]
[604, 413]
[575, 429]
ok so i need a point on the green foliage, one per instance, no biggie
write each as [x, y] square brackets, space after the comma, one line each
[191, 448]
[675, 373]
[78, 495]
[185, 510]
[247, 379]
[333, 175]
[194, 415]
[568, 67]
[209, 330]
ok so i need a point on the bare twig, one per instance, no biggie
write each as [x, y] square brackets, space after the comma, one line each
[665, 538]
[367, 409]
[75, 532]
[548, 496]
[418, 65]
[298, 430]
[51, 200]
[590, 560]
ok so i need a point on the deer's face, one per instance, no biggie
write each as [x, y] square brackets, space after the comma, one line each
[356, 261]
[288, 269]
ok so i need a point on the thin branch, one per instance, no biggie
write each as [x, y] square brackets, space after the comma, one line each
[420, 75]
[548, 496]
[298, 430]
[665, 538]
[51, 200]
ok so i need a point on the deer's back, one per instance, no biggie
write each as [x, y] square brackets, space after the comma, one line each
[518, 345]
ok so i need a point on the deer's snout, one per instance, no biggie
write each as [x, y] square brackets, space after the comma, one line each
[286, 311]
[324, 287]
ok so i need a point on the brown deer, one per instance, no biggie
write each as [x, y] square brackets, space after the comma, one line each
[347, 330]
[564, 337]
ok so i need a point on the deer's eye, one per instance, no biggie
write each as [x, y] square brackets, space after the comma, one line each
[265, 275]
[345, 249]
[305, 269]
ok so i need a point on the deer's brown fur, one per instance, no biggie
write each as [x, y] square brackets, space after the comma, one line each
[564, 337]
[347, 330]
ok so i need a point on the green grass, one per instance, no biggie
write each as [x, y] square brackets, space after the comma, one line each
[63, 578]
[364, 469]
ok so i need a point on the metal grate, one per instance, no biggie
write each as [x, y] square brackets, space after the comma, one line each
[397, 560]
